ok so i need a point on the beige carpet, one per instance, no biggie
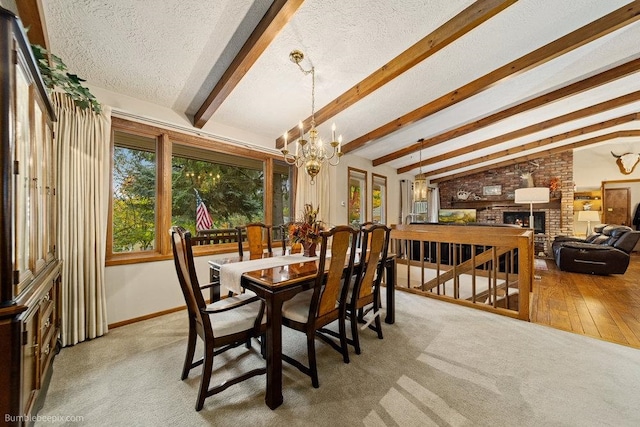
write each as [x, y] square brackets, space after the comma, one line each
[440, 364]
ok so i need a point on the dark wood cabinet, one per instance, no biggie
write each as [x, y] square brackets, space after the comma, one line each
[29, 268]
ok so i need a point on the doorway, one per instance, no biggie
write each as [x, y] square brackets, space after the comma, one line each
[617, 206]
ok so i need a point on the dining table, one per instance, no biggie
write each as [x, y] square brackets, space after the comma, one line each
[276, 279]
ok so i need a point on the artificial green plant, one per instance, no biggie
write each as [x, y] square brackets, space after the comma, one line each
[55, 75]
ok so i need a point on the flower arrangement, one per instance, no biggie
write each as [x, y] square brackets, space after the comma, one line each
[307, 230]
[554, 184]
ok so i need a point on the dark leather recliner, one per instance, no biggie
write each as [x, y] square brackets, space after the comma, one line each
[606, 251]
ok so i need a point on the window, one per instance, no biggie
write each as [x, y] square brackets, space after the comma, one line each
[379, 198]
[231, 187]
[282, 200]
[134, 197]
[357, 196]
[155, 175]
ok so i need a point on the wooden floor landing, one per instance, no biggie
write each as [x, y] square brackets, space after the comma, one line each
[605, 307]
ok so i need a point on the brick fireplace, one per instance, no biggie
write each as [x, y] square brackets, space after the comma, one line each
[522, 218]
[558, 213]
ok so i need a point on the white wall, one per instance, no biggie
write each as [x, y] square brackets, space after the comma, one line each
[595, 164]
[9, 5]
[135, 290]
[339, 213]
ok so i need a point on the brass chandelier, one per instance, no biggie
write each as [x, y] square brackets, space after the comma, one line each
[312, 152]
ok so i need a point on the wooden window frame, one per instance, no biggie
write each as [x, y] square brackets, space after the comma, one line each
[165, 138]
[363, 209]
[384, 197]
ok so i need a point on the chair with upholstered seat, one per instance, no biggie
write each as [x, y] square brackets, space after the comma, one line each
[221, 326]
[311, 310]
[363, 296]
[258, 235]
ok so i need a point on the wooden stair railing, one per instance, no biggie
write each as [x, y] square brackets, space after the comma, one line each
[490, 268]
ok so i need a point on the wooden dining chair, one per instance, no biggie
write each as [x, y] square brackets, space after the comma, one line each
[215, 236]
[363, 295]
[359, 227]
[311, 310]
[257, 235]
[222, 325]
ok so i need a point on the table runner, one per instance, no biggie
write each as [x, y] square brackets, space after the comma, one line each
[230, 274]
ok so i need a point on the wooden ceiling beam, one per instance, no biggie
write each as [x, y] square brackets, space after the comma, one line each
[279, 14]
[32, 17]
[537, 127]
[539, 143]
[569, 90]
[605, 25]
[550, 152]
[474, 15]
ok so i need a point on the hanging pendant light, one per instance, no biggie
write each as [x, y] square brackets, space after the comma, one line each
[420, 188]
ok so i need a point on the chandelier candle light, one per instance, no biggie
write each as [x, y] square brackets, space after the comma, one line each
[311, 152]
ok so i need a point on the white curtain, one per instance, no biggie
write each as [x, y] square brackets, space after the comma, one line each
[317, 194]
[83, 140]
[434, 204]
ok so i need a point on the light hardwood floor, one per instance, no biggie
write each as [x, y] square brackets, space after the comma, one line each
[605, 307]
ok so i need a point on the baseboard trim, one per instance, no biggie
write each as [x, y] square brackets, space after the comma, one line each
[146, 317]
[150, 316]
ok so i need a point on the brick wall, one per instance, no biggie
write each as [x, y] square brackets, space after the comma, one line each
[558, 221]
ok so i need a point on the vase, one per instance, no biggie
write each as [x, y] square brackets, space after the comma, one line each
[309, 249]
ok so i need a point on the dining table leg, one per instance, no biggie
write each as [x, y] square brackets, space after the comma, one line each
[273, 303]
[214, 279]
[390, 267]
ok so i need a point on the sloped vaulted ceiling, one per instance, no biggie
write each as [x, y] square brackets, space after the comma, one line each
[472, 83]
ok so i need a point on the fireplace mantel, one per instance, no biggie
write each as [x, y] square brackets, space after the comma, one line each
[510, 204]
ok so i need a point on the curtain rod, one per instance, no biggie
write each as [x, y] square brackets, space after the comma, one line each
[197, 132]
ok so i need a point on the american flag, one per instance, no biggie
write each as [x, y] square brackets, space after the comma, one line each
[203, 219]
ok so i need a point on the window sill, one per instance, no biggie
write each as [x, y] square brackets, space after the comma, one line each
[140, 257]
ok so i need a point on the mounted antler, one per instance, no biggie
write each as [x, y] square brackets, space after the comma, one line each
[527, 175]
[627, 162]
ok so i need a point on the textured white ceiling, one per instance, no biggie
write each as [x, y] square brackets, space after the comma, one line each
[171, 53]
[160, 51]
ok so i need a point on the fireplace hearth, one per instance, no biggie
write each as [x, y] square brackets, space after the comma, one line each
[522, 218]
